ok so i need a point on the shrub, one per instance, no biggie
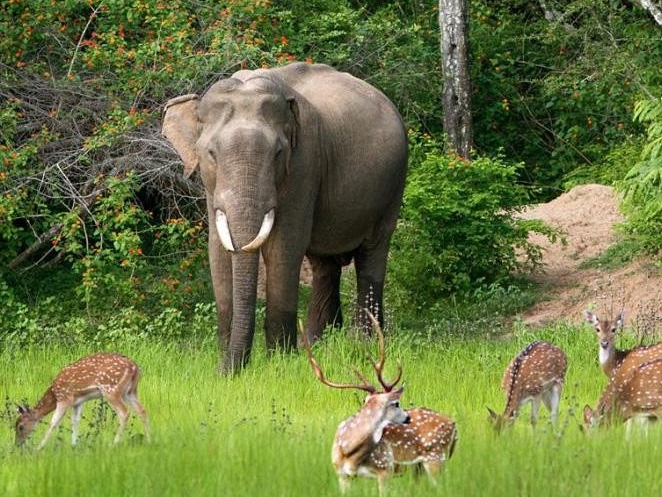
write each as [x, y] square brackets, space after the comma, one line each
[458, 230]
[642, 185]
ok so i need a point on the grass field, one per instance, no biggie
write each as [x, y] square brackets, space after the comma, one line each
[269, 431]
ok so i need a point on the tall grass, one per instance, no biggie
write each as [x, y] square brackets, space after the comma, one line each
[268, 431]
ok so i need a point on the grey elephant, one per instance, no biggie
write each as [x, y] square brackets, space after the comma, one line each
[295, 160]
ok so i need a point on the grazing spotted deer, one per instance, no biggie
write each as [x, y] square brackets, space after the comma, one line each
[636, 396]
[536, 374]
[609, 356]
[382, 435]
[111, 376]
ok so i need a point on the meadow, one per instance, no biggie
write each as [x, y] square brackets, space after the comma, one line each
[268, 431]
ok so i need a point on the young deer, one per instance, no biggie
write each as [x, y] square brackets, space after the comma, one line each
[636, 395]
[609, 356]
[536, 374]
[111, 376]
[382, 435]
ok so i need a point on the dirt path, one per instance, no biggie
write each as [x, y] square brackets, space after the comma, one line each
[587, 214]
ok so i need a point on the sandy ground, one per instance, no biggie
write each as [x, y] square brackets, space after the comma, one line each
[587, 215]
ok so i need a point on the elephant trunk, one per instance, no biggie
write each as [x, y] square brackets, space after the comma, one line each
[244, 296]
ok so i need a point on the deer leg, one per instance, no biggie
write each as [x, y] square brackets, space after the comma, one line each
[343, 482]
[432, 469]
[381, 484]
[553, 401]
[628, 428]
[76, 413]
[535, 407]
[132, 399]
[122, 414]
[60, 409]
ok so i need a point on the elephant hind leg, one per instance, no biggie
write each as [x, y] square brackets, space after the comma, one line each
[370, 263]
[324, 307]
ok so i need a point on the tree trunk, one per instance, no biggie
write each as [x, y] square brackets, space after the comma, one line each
[653, 10]
[456, 98]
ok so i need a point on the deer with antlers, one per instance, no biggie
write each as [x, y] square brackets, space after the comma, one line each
[110, 376]
[609, 356]
[633, 396]
[381, 435]
[536, 374]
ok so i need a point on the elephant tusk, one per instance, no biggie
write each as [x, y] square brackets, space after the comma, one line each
[224, 230]
[265, 229]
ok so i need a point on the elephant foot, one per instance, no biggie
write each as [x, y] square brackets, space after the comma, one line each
[232, 364]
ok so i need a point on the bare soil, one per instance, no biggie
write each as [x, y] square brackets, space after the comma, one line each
[587, 215]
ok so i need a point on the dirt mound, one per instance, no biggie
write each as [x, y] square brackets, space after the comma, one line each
[587, 215]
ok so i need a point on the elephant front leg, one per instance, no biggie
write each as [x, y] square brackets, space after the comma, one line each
[280, 326]
[324, 307]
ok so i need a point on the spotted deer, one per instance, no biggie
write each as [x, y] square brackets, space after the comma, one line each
[381, 435]
[536, 374]
[609, 356]
[112, 377]
[428, 440]
[635, 396]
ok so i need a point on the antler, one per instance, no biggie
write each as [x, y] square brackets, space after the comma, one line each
[365, 386]
[379, 365]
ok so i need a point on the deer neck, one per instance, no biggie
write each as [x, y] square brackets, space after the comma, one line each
[611, 358]
[360, 434]
[512, 406]
[45, 405]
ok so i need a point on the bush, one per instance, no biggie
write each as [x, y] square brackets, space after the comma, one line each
[642, 186]
[458, 231]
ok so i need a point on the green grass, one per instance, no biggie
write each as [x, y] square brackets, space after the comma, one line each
[269, 431]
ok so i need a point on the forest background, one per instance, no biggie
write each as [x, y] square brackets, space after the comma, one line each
[101, 236]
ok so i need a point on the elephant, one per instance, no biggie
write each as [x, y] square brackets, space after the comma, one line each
[297, 160]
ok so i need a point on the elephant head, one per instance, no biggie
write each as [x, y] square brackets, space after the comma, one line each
[241, 135]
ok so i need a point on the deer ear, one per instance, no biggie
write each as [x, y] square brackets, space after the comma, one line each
[620, 320]
[180, 127]
[590, 317]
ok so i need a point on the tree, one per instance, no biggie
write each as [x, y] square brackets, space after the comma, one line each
[653, 9]
[456, 94]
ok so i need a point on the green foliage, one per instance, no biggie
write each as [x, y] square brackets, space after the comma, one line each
[459, 230]
[642, 186]
[558, 94]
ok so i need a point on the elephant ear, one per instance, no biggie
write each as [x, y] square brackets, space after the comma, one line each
[293, 129]
[180, 127]
[294, 110]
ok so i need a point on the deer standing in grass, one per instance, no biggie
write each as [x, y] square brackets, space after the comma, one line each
[536, 374]
[635, 396]
[107, 375]
[609, 356]
[382, 435]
